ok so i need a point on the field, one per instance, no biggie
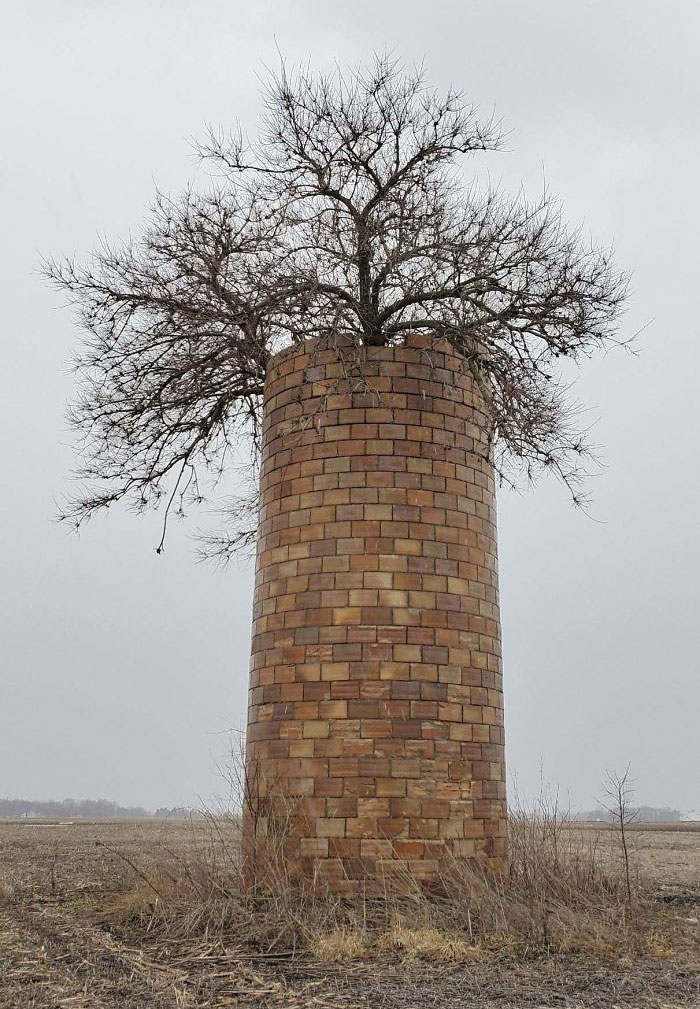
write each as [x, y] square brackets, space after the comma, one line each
[73, 934]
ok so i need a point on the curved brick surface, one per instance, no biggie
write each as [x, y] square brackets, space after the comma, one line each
[376, 708]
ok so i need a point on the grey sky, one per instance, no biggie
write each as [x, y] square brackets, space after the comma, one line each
[120, 671]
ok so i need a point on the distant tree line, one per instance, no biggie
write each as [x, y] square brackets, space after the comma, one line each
[177, 813]
[86, 809]
[642, 814]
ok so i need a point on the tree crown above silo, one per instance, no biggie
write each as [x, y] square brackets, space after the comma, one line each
[351, 215]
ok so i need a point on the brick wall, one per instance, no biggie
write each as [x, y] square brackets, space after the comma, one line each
[376, 706]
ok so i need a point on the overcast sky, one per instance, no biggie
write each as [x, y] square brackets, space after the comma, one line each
[122, 671]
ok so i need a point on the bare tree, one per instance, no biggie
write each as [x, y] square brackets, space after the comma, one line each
[619, 793]
[350, 216]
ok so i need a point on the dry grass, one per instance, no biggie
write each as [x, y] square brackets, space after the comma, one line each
[153, 915]
[432, 943]
[337, 946]
[565, 891]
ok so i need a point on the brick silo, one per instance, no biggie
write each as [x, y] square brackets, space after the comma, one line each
[376, 709]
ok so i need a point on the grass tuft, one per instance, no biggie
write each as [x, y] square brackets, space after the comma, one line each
[431, 943]
[337, 946]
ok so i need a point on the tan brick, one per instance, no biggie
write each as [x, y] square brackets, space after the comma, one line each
[393, 787]
[316, 729]
[330, 826]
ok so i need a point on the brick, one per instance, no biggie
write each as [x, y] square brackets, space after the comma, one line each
[435, 808]
[405, 768]
[330, 827]
[424, 709]
[391, 787]
[405, 848]
[345, 806]
[375, 848]
[343, 847]
[388, 826]
[328, 787]
[361, 826]
[424, 828]
[316, 729]
[329, 747]
[373, 807]
[317, 846]
[333, 709]
[347, 615]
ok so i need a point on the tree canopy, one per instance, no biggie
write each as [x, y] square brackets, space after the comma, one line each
[351, 214]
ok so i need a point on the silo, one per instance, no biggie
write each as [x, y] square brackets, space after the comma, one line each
[375, 735]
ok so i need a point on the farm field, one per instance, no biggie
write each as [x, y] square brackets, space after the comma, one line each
[64, 944]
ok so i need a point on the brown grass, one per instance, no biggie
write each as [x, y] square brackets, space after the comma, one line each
[153, 914]
[337, 946]
[432, 943]
[565, 891]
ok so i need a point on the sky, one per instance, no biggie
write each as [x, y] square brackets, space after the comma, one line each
[124, 673]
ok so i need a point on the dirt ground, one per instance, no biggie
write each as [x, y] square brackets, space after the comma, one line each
[56, 951]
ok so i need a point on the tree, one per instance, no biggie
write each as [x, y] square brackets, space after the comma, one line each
[350, 216]
[618, 803]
